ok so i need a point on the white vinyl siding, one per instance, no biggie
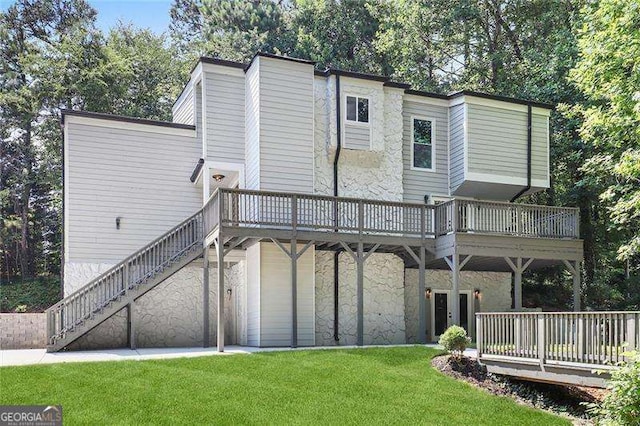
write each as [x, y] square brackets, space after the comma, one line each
[198, 116]
[418, 183]
[357, 137]
[225, 111]
[498, 142]
[140, 176]
[275, 297]
[456, 145]
[286, 125]
[183, 113]
[539, 147]
[252, 126]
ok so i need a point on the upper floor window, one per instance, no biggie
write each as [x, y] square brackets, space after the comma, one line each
[357, 109]
[423, 155]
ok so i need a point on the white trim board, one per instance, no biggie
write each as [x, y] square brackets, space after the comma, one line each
[473, 100]
[127, 125]
[507, 180]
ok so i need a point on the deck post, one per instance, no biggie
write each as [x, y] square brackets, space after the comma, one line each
[293, 255]
[631, 324]
[540, 340]
[360, 293]
[220, 258]
[517, 285]
[422, 299]
[576, 286]
[455, 289]
[205, 297]
[294, 293]
[131, 326]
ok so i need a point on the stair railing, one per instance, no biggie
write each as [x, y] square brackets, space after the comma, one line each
[133, 271]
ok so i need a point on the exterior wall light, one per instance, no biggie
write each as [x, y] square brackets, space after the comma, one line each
[476, 293]
[427, 293]
[118, 219]
[218, 177]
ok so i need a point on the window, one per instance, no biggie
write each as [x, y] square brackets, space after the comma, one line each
[357, 109]
[423, 150]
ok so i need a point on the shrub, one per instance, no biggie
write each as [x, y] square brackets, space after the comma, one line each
[622, 405]
[455, 340]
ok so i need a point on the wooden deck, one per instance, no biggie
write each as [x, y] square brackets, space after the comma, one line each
[568, 347]
[454, 235]
[328, 220]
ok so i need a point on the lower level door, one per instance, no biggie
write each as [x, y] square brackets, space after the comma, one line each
[442, 312]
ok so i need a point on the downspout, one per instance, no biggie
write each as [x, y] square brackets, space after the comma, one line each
[336, 254]
[528, 187]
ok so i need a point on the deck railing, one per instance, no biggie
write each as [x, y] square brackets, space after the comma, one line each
[558, 338]
[247, 208]
[89, 300]
[488, 217]
[251, 208]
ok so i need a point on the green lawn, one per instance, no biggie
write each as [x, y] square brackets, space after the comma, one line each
[367, 386]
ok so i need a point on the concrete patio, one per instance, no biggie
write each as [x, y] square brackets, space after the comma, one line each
[17, 357]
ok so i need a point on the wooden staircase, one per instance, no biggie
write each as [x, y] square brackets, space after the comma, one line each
[104, 296]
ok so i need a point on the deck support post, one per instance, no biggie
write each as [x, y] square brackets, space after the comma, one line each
[293, 255]
[576, 287]
[574, 268]
[455, 289]
[220, 258]
[206, 322]
[360, 294]
[294, 293]
[422, 298]
[456, 265]
[360, 256]
[517, 285]
[420, 259]
[518, 268]
[131, 326]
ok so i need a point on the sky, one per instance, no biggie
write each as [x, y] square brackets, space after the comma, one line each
[153, 14]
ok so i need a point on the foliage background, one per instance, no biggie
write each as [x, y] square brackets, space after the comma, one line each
[581, 55]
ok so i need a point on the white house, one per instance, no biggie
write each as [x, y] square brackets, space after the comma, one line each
[400, 200]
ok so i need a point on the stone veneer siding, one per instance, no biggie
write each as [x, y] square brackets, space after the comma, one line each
[170, 315]
[383, 300]
[495, 293]
[23, 331]
[375, 174]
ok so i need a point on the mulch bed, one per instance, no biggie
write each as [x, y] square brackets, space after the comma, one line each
[560, 399]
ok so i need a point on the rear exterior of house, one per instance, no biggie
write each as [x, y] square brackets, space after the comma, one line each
[344, 208]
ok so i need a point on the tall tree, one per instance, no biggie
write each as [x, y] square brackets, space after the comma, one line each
[230, 29]
[609, 74]
[30, 32]
[339, 33]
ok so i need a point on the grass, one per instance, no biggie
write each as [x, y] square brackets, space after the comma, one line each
[34, 295]
[359, 386]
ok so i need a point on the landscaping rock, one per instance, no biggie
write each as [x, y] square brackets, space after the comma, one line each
[569, 401]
